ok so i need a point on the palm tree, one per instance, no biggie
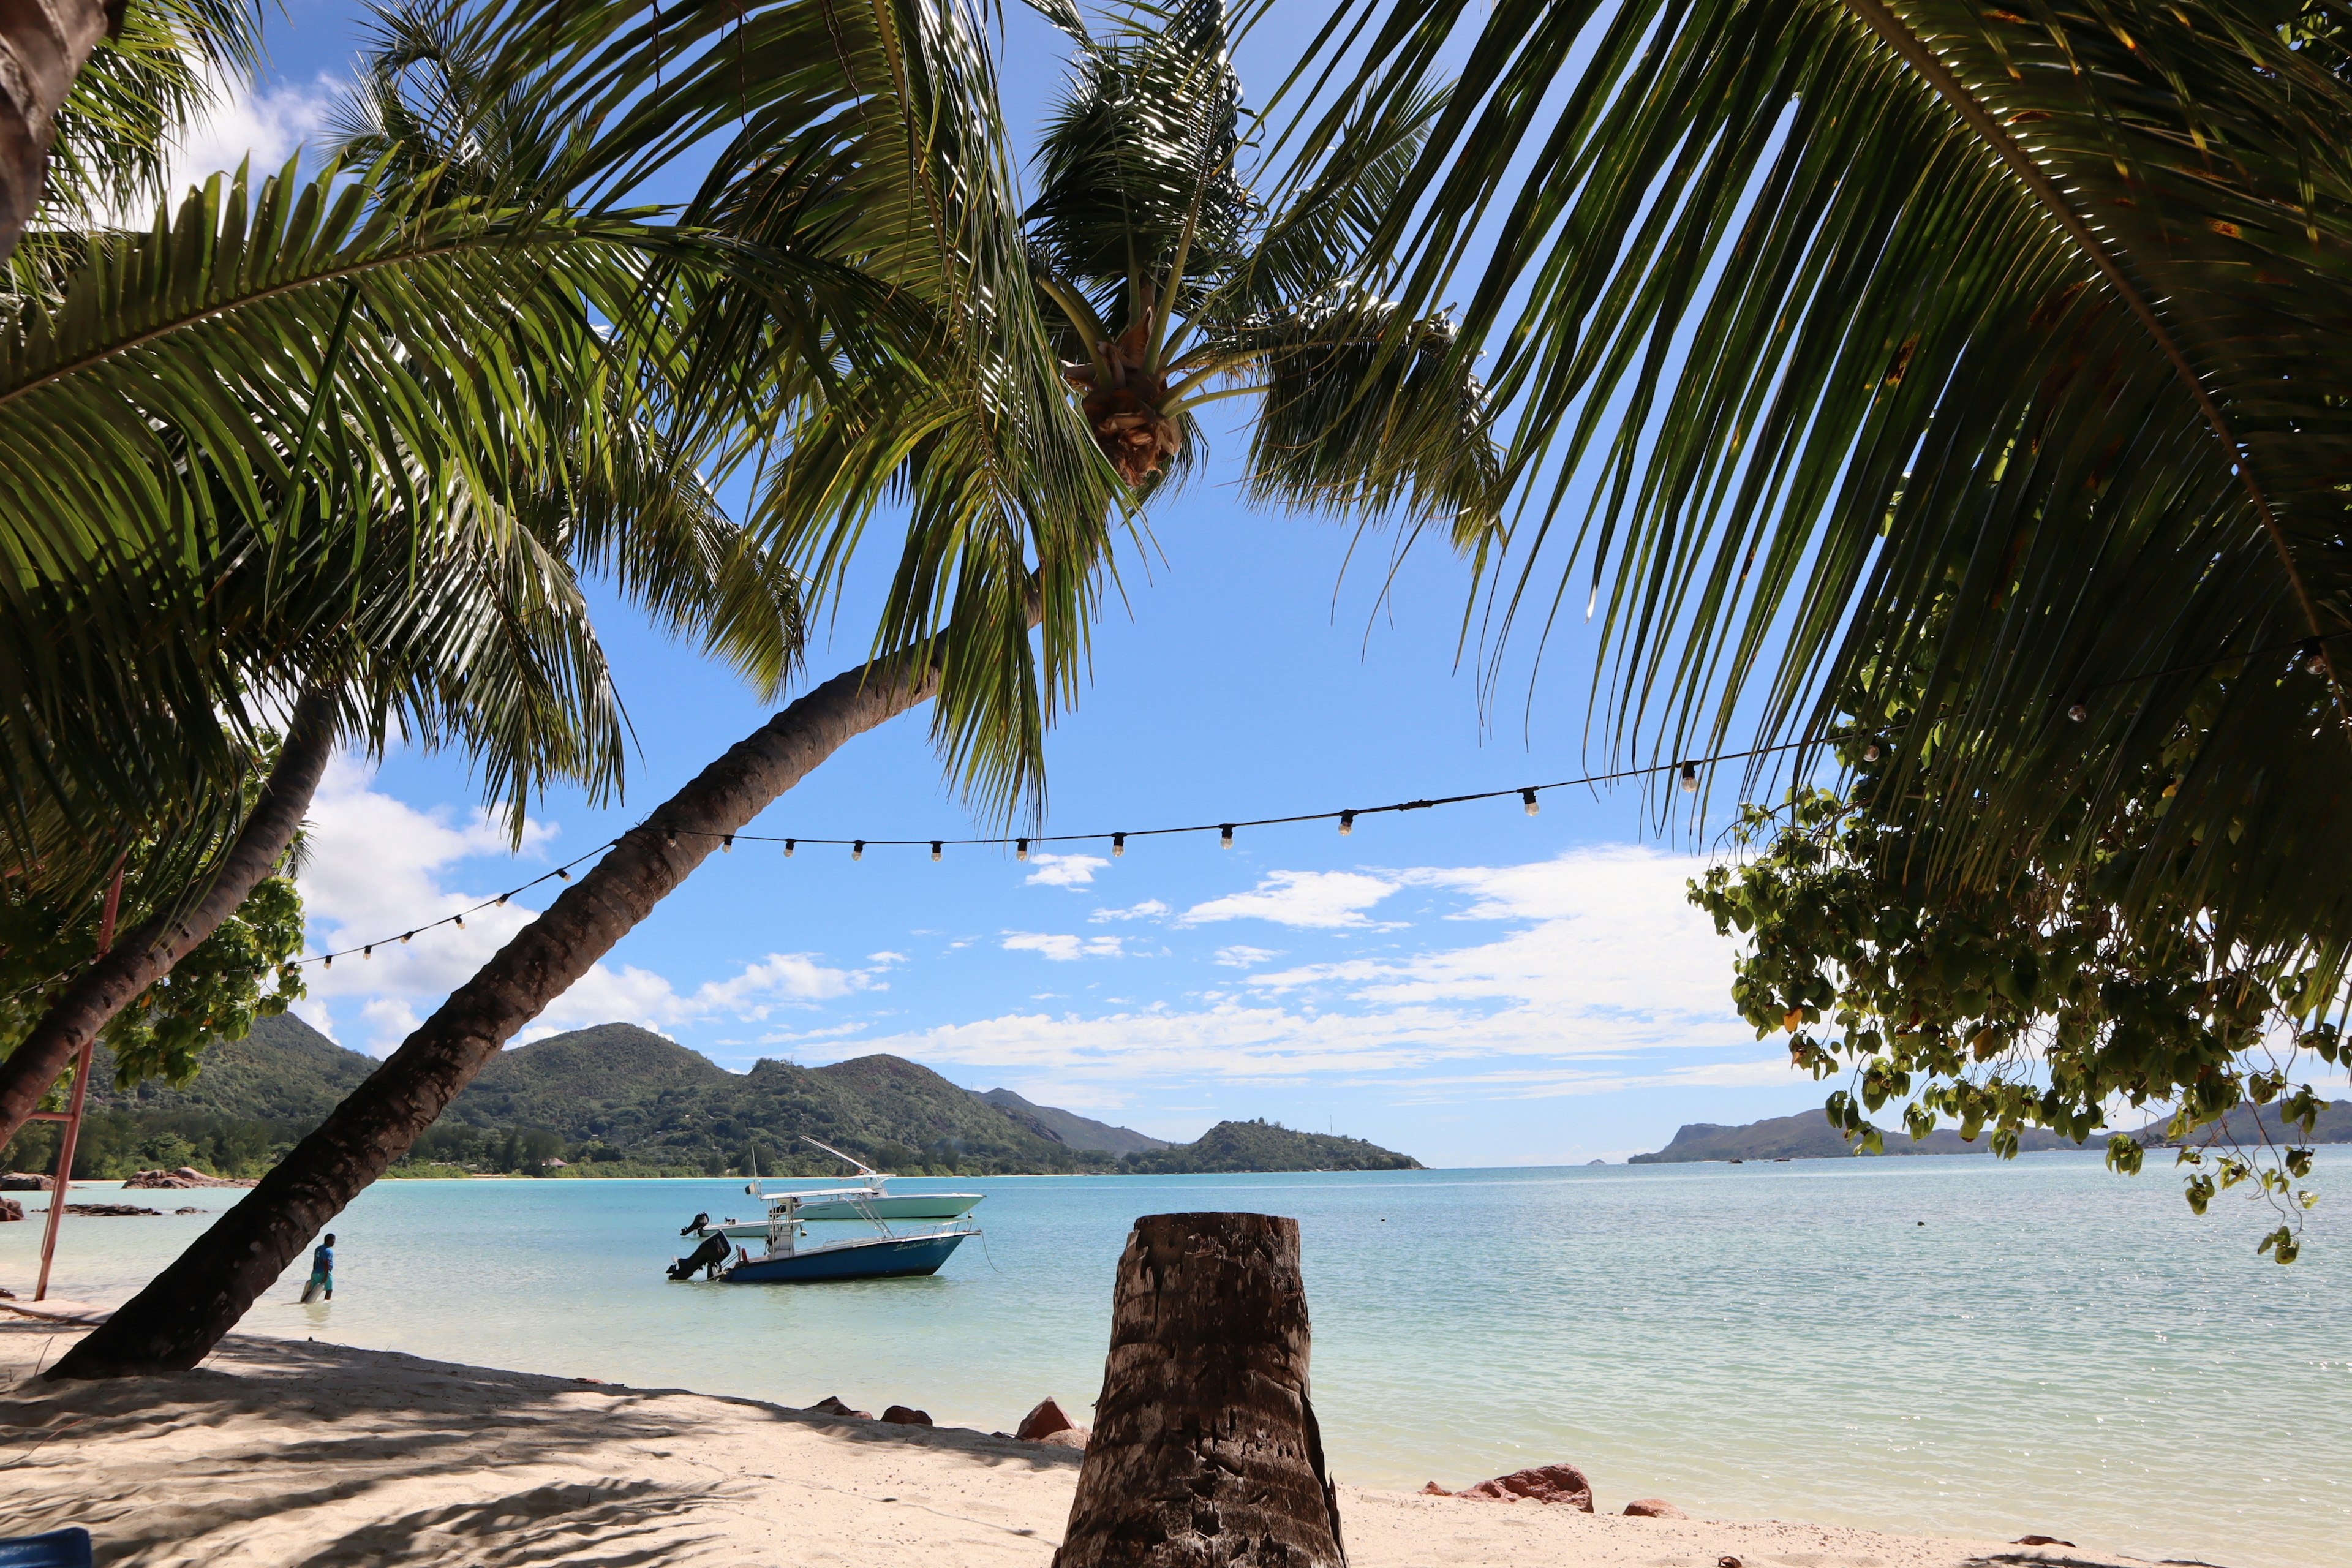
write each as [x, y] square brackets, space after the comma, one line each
[1168, 283]
[2004, 348]
[424, 582]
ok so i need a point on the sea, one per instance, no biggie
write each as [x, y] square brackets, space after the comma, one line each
[1937, 1344]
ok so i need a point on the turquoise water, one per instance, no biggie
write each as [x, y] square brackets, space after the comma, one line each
[2057, 1349]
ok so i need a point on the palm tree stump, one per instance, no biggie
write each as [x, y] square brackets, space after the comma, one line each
[1205, 1448]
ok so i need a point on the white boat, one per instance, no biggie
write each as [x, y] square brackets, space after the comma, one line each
[866, 1196]
[787, 1255]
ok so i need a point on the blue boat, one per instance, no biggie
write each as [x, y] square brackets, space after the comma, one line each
[868, 1257]
[789, 1258]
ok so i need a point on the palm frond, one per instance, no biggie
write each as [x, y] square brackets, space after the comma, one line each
[1839, 308]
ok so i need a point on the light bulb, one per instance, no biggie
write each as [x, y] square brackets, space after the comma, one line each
[561, 874]
[935, 848]
[1021, 850]
[1527, 799]
[669, 837]
[460, 920]
[788, 847]
[727, 844]
[1225, 836]
[328, 962]
[2078, 712]
[1870, 753]
[502, 900]
[404, 936]
[1118, 845]
[1690, 778]
[857, 850]
[1347, 823]
[367, 952]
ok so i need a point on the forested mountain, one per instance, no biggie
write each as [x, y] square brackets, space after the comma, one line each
[617, 1098]
[1268, 1146]
[1809, 1136]
[1069, 1127]
[284, 1071]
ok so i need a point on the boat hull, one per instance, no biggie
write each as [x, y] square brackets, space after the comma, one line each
[894, 1259]
[897, 1205]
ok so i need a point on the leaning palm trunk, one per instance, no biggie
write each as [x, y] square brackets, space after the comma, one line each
[147, 954]
[43, 46]
[174, 1322]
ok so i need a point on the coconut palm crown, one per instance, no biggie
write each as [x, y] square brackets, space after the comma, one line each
[1173, 285]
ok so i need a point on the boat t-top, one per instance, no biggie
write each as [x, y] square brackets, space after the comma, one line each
[867, 1196]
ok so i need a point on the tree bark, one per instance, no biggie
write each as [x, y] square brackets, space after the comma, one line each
[1206, 1449]
[120, 977]
[43, 46]
[174, 1322]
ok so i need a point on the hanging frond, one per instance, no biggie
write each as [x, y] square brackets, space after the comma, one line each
[1837, 308]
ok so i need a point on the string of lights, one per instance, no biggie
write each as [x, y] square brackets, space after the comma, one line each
[1021, 845]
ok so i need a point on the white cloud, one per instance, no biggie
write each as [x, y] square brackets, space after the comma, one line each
[1300, 899]
[1063, 870]
[376, 868]
[1064, 949]
[1609, 965]
[1241, 957]
[1150, 909]
[268, 126]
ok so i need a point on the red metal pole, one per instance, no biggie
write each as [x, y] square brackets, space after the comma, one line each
[72, 1135]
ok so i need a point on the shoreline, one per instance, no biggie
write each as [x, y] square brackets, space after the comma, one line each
[281, 1449]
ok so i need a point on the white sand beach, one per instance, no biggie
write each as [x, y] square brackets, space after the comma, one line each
[283, 1451]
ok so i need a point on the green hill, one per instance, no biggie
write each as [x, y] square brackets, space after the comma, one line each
[1809, 1136]
[619, 1100]
[1068, 1127]
[1267, 1146]
[284, 1071]
[565, 1079]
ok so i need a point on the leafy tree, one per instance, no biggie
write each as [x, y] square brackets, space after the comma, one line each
[1843, 309]
[2035, 1003]
[868, 155]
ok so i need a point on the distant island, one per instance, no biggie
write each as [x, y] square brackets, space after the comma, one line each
[1809, 1136]
[619, 1100]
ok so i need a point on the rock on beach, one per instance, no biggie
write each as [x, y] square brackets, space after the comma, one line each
[831, 1405]
[186, 1176]
[1654, 1508]
[906, 1415]
[1561, 1483]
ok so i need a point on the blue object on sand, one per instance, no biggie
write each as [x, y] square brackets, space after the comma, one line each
[67, 1548]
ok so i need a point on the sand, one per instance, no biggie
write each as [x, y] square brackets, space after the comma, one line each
[284, 1452]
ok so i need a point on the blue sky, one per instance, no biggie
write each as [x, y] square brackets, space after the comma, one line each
[1468, 985]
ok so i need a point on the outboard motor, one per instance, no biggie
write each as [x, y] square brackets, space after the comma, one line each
[713, 1251]
[694, 1227]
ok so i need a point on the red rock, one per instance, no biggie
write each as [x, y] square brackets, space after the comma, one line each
[1563, 1484]
[10, 1209]
[24, 1182]
[2040, 1541]
[1048, 1417]
[1434, 1490]
[902, 1415]
[831, 1405]
[1067, 1437]
[1730, 1563]
[1654, 1508]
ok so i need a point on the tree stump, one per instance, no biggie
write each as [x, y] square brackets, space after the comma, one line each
[1205, 1448]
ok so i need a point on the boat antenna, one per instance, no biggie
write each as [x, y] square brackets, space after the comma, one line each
[863, 1167]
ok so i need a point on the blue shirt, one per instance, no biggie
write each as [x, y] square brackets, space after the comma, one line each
[323, 1260]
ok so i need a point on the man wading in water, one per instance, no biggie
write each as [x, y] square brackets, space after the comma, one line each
[321, 1287]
